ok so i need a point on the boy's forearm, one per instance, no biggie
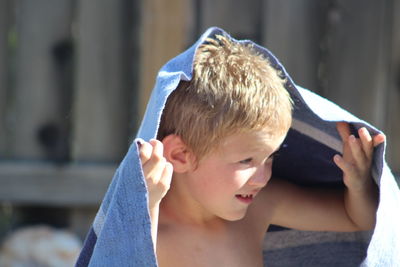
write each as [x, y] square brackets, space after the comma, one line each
[361, 205]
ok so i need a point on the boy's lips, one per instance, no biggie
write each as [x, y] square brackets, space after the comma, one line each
[245, 198]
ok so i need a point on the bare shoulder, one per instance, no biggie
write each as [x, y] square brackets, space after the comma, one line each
[268, 202]
[281, 202]
[272, 195]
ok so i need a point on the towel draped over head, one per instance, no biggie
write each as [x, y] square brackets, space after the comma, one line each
[120, 234]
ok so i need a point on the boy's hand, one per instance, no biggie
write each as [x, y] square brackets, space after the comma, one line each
[357, 156]
[157, 171]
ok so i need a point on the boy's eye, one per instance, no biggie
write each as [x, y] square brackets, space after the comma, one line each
[246, 161]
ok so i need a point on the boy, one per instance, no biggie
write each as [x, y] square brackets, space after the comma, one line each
[211, 196]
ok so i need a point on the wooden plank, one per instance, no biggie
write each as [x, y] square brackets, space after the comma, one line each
[293, 31]
[393, 97]
[50, 185]
[4, 31]
[241, 19]
[101, 99]
[357, 60]
[38, 93]
[162, 36]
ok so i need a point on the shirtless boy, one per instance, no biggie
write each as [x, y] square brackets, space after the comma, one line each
[211, 195]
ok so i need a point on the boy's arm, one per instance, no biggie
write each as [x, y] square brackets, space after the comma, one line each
[158, 174]
[351, 209]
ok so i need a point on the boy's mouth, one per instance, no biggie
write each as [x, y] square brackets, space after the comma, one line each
[245, 198]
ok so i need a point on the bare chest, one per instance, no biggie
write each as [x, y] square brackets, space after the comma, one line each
[190, 248]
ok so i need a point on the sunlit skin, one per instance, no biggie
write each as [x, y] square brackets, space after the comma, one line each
[216, 211]
[209, 190]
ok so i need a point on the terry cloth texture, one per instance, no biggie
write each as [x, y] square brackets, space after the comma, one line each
[120, 234]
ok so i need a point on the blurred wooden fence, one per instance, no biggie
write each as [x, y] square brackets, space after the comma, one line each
[75, 77]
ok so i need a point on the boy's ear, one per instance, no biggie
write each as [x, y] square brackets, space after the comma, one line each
[177, 153]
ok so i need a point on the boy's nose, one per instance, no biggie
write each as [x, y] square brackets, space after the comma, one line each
[261, 176]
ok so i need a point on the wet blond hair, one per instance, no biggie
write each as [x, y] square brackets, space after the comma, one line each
[234, 89]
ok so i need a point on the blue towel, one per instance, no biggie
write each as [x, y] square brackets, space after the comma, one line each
[120, 234]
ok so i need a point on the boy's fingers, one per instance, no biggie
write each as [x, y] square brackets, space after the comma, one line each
[342, 164]
[158, 148]
[359, 157]
[339, 161]
[154, 167]
[168, 170]
[167, 176]
[378, 139]
[344, 130]
[145, 152]
[153, 170]
[366, 141]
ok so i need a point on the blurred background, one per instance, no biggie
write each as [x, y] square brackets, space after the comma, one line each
[75, 76]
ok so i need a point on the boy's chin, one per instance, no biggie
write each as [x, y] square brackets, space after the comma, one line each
[234, 217]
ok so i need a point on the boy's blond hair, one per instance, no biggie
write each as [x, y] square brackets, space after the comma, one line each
[233, 89]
